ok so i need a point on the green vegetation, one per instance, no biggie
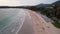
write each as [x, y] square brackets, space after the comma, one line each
[52, 12]
[56, 24]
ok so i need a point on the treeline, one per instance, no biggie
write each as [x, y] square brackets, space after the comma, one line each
[52, 12]
[12, 7]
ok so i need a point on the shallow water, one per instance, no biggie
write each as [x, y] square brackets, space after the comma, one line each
[11, 20]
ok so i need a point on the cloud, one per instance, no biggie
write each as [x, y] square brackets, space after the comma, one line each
[23, 2]
[17, 2]
[9, 3]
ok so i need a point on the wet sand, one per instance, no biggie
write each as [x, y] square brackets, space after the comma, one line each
[27, 26]
[40, 26]
[36, 25]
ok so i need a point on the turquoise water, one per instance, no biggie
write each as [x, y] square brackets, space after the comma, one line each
[5, 15]
[4, 22]
[11, 20]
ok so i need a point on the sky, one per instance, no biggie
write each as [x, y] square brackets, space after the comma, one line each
[24, 2]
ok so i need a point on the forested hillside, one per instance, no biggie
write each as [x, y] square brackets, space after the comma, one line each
[50, 10]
